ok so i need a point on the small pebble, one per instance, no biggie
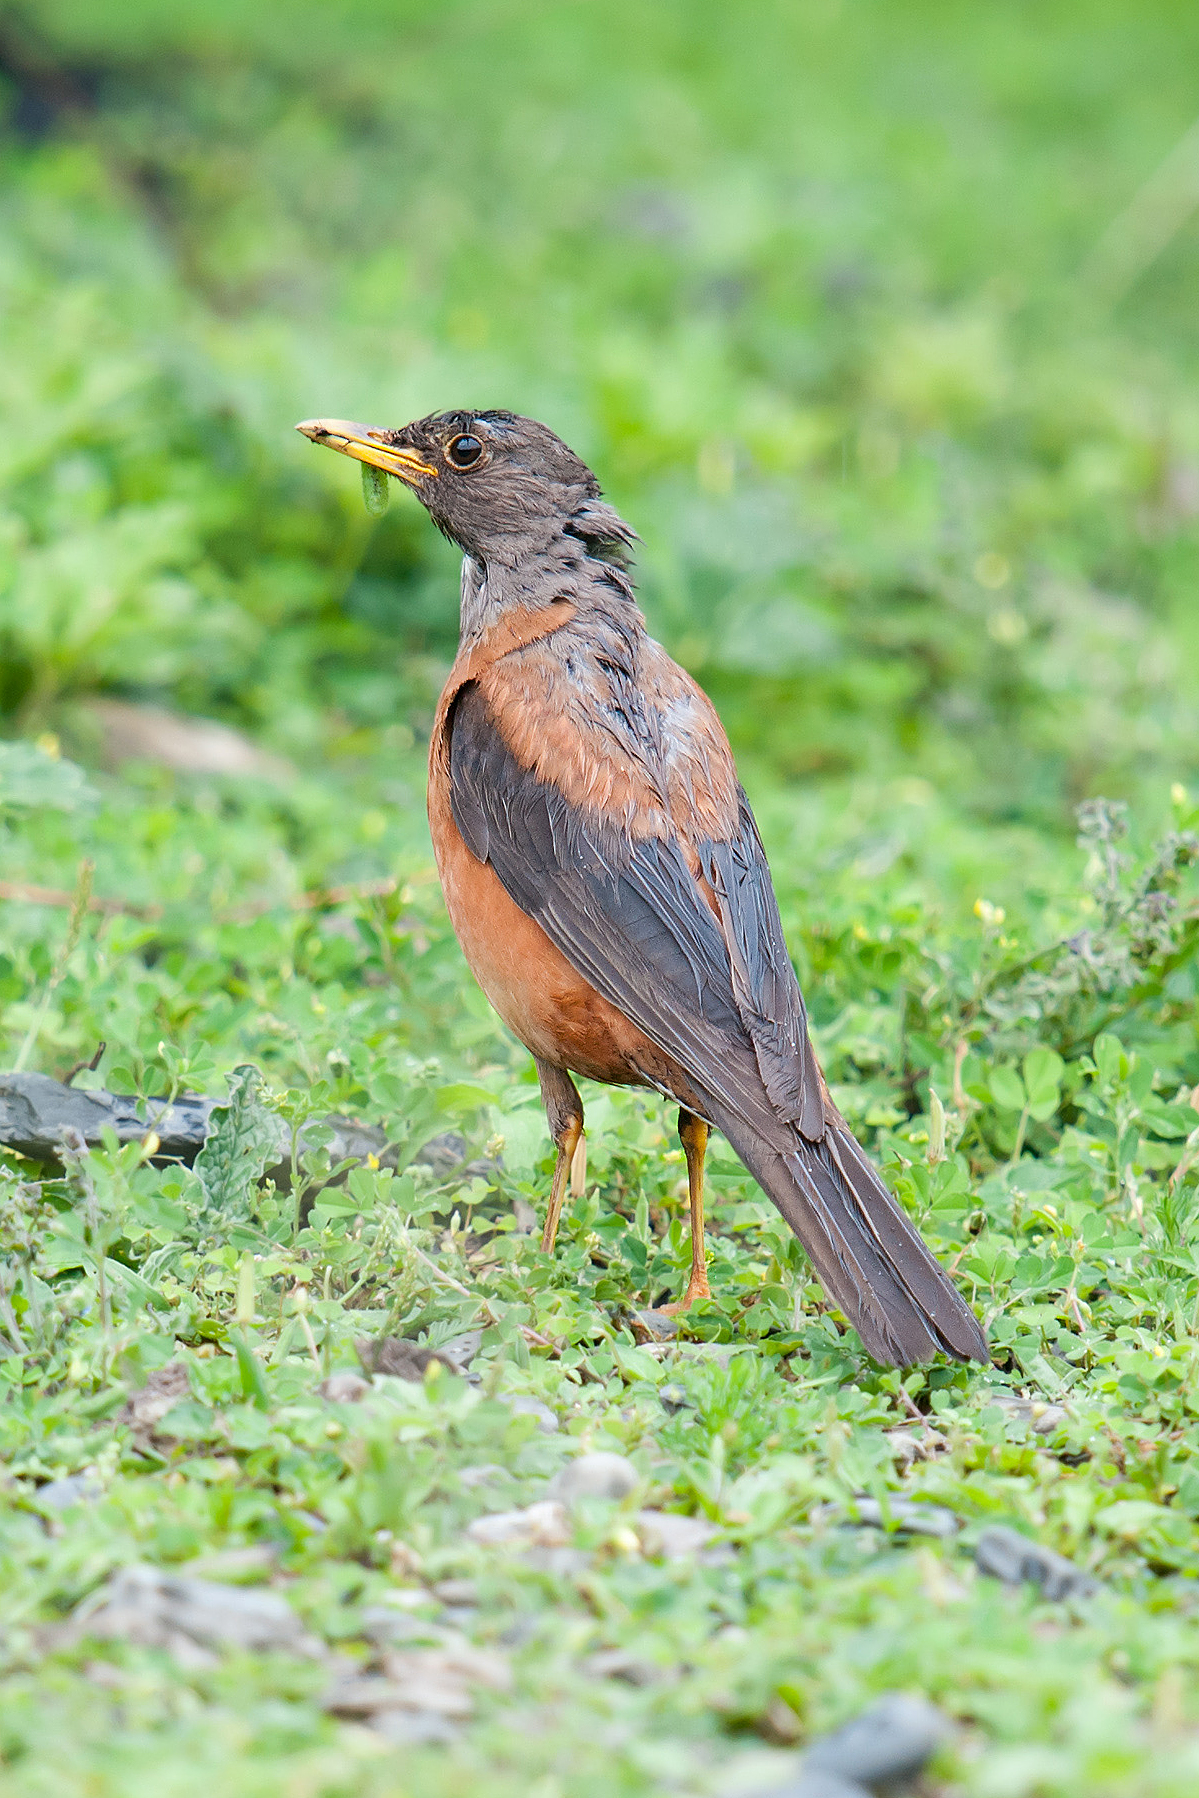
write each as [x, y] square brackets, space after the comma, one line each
[1014, 1559]
[595, 1476]
[908, 1516]
[891, 1740]
[543, 1525]
[654, 1326]
[344, 1388]
[525, 1405]
[671, 1536]
[622, 1664]
[484, 1473]
[814, 1785]
[461, 1594]
[73, 1489]
[1043, 1418]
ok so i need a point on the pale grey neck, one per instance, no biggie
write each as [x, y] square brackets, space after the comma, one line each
[559, 569]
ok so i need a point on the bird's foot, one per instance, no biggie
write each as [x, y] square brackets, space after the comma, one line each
[696, 1289]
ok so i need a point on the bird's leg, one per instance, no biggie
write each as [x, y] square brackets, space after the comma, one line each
[693, 1134]
[564, 1111]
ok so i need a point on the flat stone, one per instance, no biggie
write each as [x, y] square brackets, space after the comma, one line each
[402, 1360]
[162, 1391]
[155, 1609]
[344, 1388]
[892, 1740]
[562, 1563]
[462, 1594]
[672, 1537]
[622, 1664]
[1042, 1418]
[812, 1784]
[74, 1489]
[595, 1476]
[906, 1516]
[441, 1679]
[414, 1729]
[485, 1473]
[654, 1326]
[525, 1405]
[150, 733]
[543, 1525]
[460, 1351]
[1015, 1559]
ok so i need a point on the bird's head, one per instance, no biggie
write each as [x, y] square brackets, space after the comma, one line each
[498, 485]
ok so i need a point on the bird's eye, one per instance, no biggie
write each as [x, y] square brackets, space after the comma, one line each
[464, 451]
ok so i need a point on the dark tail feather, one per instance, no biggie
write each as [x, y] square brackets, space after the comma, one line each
[870, 1260]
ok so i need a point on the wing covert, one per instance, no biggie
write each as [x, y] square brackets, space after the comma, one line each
[705, 978]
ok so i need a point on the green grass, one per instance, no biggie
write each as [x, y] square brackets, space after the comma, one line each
[855, 311]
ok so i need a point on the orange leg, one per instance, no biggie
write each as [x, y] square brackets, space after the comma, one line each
[693, 1134]
[564, 1110]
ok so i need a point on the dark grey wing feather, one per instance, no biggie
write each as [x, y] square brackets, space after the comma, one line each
[628, 914]
[764, 985]
[719, 996]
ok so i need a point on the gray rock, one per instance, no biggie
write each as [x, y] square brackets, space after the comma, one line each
[1042, 1418]
[890, 1741]
[622, 1664]
[74, 1489]
[35, 1110]
[462, 1594]
[150, 733]
[545, 1524]
[446, 1154]
[672, 1537]
[386, 1626]
[813, 1785]
[525, 1405]
[460, 1351]
[420, 1682]
[654, 1326]
[146, 1408]
[908, 1516]
[155, 1609]
[485, 1473]
[414, 1729]
[1015, 1559]
[401, 1359]
[344, 1388]
[595, 1476]
[562, 1563]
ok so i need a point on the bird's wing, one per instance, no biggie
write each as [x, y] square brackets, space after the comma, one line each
[681, 934]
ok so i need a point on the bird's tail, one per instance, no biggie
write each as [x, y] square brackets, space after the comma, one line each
[869, 1259]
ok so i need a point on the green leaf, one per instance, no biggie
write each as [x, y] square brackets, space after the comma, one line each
[33, 780]
[1043, 1070]
[462, 1096]
[1109, 1057]
[1007, 1089]
[253, 1386]
[244, 1139]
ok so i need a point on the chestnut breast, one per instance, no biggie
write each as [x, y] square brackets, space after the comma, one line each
[543, 1000]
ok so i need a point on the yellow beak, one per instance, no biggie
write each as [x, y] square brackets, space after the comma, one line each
[366, 444]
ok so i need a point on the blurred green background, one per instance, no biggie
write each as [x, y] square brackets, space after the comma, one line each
[878, 322]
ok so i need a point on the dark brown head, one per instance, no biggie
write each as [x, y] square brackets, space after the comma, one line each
[498, 485]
